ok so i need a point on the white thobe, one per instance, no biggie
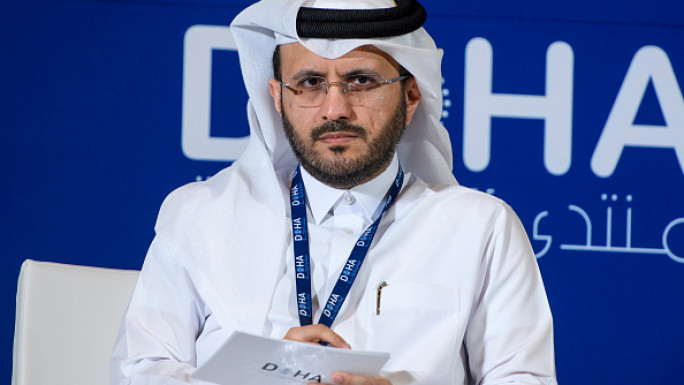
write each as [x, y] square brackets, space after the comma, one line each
[464, 301]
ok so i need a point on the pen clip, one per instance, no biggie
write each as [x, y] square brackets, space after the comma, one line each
[377, 304]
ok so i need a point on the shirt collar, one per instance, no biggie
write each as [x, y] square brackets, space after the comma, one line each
[321, 197]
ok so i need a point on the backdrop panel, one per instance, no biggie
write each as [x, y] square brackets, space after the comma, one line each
[572, 113]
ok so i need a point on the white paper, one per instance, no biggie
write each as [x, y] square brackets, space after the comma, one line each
[248, 359]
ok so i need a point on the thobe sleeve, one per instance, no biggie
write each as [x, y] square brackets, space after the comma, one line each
[509, 338]
[156, 344]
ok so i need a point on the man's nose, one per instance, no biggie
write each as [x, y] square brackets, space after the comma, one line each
[336, 105]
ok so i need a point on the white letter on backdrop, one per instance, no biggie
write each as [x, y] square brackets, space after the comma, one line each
[650, 63]
[197, 142]
[481, 105]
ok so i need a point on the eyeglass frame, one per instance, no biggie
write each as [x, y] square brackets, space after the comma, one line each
[344, 86]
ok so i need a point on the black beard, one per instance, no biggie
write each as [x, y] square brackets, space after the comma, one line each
[339, 172]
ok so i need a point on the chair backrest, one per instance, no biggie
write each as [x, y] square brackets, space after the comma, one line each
[67, 320]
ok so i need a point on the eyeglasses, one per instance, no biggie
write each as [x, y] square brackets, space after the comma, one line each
[359, 89]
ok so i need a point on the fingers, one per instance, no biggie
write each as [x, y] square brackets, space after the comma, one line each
[341, 378]
[314, 334]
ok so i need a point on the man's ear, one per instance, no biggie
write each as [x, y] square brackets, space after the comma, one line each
[274, 89]
[412, 93]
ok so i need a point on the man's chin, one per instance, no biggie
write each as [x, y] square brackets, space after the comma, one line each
[337, 166]
[340, 158]
[348, 152]
[337, 149]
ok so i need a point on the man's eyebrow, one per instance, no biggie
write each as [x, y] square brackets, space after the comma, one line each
[305, 73]
[361, 71]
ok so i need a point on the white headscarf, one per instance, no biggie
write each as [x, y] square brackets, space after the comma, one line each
[425, 148]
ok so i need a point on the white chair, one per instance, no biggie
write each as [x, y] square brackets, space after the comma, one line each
[67, 320]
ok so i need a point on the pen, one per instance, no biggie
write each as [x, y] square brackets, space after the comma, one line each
[377, 307]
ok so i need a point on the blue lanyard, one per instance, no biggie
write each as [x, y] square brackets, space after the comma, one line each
[300, 240]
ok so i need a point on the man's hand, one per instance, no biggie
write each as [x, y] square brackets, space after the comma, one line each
[341, 378]
[314, 334]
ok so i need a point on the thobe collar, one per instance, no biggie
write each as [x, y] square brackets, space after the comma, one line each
[321, 198]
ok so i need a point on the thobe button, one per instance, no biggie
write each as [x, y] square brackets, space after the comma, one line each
[348, 231]
[348, 199]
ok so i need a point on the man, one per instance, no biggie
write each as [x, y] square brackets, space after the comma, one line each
[440, 276]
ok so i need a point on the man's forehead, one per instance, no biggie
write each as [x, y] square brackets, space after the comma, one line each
[296, 51]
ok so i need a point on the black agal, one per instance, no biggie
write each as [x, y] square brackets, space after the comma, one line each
[326, 23]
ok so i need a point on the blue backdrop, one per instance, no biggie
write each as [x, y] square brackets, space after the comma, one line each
[572, 112]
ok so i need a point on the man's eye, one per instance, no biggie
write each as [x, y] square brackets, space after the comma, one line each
[311, 82]
[362, 80]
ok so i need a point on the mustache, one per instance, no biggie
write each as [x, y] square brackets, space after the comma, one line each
[335, 126]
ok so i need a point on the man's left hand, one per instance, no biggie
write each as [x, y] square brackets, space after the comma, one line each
[341, 378]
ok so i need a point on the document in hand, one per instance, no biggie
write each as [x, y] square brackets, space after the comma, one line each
[248, 359]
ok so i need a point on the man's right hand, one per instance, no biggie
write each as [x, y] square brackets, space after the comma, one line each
[314, 334]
